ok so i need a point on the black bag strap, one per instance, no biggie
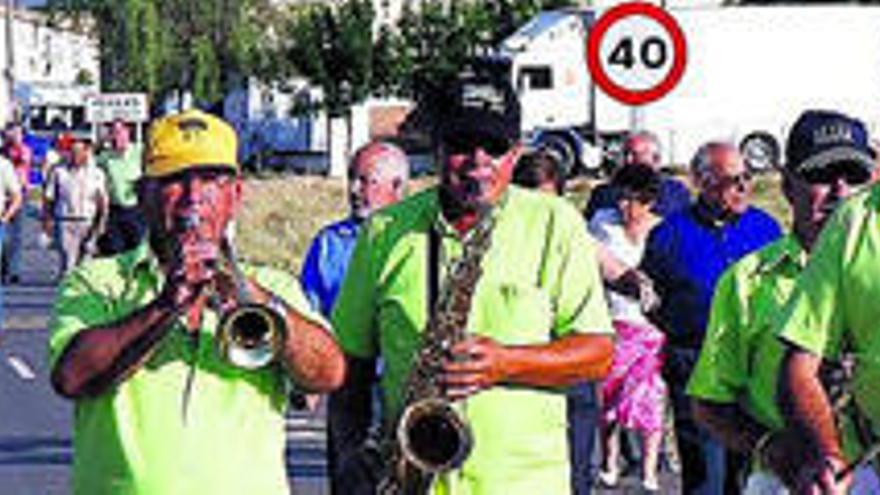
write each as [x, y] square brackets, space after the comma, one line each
[433, 268]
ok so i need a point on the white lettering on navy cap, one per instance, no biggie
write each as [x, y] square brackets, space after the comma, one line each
[837, 133]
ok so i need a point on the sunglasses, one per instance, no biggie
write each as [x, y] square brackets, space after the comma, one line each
[741, 180]
[467, 144]
[831, 174]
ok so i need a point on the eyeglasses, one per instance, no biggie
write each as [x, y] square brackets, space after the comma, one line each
[467, 144]
[741, 180]
[832, 174]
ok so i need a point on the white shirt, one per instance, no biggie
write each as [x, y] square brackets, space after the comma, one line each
[607, 227]
[9, 183]
[76, 191]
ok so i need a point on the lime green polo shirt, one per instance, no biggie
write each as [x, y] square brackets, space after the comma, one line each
[122, 171]
[740, 357]
[837, 300]
[540, 282]
[147, 436]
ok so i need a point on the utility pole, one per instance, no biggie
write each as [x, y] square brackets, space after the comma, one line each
[10, 61]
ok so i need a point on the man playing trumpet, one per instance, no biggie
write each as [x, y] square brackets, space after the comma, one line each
[133, 338]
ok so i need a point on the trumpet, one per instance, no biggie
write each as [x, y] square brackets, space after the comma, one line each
[250, 335]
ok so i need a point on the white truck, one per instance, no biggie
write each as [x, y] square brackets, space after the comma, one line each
[750, 72]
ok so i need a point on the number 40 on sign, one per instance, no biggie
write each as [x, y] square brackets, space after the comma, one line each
[636, 53]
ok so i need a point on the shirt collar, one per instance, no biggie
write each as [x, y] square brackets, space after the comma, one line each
[711, 215]
[445, 229]
[787, 251]
[139, 259]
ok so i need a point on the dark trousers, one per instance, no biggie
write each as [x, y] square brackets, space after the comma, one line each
[583, 419]
[707, 467]
[125, 230]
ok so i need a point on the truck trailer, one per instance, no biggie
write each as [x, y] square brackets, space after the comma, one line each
[750, 72]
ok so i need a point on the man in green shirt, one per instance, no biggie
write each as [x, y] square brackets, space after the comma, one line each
[122, 167]
[734, 382]
[537, 321]
[133, 339]
[834, 310]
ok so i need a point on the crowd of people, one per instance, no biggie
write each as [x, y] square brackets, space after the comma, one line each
[678, 318]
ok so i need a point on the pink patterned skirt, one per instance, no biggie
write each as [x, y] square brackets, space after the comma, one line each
[634, 393]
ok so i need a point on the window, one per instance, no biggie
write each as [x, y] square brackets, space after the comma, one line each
[538, 77]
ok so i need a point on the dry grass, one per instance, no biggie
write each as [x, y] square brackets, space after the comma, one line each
[282, 214]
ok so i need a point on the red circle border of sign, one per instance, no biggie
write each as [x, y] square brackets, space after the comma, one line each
[601, 77]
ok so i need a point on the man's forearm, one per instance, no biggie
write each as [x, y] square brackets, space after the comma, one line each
[311, 355]
[805, 404]
[100, 357]
[728, 423]
[563, 362]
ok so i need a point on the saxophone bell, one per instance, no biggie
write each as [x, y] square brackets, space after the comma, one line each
[434, 436]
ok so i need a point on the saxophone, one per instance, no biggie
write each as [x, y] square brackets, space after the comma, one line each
[430, 436]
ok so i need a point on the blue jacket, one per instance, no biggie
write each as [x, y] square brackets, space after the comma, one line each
[687, 253]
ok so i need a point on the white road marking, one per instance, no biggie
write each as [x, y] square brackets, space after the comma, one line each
[25, 372]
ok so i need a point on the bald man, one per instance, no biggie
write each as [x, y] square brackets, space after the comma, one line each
[642, 148]
[377, 177]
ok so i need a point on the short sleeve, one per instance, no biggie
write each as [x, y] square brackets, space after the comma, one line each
[78, 305]
[577, 291]
[287, 287]
[721, 370]
[354, 318]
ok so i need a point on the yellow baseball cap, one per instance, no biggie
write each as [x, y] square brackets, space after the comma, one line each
[188, 140]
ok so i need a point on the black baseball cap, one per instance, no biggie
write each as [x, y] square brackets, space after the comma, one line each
[480, 109]
[822, 141]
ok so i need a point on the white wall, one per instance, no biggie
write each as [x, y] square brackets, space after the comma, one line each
[47, 61]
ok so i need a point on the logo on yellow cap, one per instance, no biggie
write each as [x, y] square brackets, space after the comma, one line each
[192, 139]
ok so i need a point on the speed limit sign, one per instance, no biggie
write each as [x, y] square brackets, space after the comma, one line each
[636, 53]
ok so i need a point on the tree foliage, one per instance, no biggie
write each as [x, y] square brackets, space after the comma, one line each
[206, 47]
[165, 46]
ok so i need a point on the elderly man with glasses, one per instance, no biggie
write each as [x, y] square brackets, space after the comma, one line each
[684, 256]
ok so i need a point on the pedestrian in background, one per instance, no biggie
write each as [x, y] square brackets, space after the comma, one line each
[684, 257]
[10, 204]
[633, 393]
[540, 169]
[75, 206]
[22, 157]
[121, 163]
[642, 148]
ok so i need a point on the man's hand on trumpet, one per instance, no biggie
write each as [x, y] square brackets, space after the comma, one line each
[189, 277]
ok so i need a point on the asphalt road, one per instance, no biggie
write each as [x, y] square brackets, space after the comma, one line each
[35, 424]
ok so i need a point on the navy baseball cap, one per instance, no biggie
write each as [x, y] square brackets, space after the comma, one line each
[821, 140]
[480, 108]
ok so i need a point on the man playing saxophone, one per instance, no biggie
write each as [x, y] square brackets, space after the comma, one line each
[535, 319]
[133, 338]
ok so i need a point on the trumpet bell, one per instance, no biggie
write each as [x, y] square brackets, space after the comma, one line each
[250, 336]
[434, 436]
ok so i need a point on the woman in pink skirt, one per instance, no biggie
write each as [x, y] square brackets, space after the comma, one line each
[633, 394]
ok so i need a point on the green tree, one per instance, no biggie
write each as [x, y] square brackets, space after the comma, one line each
[333, 48]
[203, 47]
